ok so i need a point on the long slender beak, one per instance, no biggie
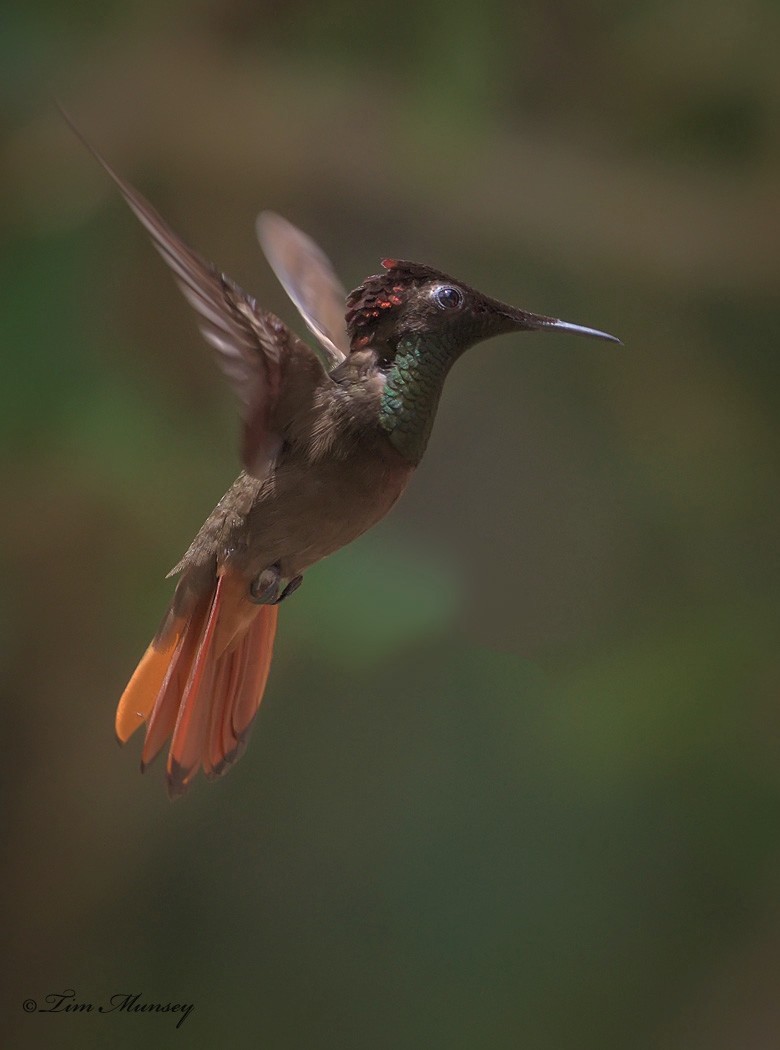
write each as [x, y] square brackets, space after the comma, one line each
[578, 329]
[524, 321]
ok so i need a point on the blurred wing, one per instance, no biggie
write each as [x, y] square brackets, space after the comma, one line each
[250, 343]
[308, 278]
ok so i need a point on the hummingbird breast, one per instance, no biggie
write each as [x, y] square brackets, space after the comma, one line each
[311, 510]
[308, 507]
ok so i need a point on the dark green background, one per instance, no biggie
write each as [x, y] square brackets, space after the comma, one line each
[516, 780]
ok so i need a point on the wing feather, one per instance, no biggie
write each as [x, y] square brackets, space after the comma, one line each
[252, 346]
[308, 277]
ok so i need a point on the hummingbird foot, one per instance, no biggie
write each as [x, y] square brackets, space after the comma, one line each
[265, 588]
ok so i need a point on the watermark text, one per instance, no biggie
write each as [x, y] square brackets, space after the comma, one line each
[67, 1002]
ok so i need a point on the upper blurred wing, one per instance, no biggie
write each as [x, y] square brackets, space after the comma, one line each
[309, 279]
[253, 346]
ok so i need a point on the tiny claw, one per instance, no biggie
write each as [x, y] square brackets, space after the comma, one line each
[291, 588]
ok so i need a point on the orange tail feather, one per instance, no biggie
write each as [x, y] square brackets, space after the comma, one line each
[201, 683]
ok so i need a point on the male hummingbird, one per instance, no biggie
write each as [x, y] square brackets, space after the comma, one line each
[330, 437]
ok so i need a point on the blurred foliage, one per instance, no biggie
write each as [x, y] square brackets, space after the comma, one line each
[516, 781]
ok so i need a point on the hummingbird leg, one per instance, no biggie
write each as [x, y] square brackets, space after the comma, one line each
[291, 587]
[264, 589]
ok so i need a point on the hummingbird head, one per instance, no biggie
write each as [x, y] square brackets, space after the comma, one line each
[411, 299]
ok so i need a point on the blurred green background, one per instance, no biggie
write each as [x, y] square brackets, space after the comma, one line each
[516, 780]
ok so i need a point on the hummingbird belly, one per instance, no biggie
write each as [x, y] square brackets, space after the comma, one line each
[300, 514]
[307, 514]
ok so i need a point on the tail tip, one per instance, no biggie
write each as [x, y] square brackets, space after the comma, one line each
[179, 780]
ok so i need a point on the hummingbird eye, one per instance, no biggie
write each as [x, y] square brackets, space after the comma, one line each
[447, 298]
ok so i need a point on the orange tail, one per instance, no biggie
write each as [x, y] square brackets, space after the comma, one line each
[201, 683]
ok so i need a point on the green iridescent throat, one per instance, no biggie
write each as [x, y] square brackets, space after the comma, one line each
[411, 394]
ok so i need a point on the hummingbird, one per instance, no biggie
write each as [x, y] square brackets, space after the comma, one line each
[331, 433]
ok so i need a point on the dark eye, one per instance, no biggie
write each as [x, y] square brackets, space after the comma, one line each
[447, 298]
